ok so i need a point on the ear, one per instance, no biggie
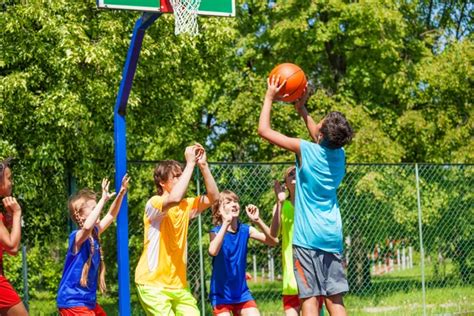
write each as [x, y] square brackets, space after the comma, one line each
[162, 184]
[320, 137]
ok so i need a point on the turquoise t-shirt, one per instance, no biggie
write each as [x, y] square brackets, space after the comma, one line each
[318, 223]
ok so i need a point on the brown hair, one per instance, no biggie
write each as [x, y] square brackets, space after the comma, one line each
[224, 195]
[163, 171]
[75, 205]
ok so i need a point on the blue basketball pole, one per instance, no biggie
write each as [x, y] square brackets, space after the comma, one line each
[120, 140]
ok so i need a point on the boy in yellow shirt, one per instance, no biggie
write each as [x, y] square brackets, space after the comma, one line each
[160, 275]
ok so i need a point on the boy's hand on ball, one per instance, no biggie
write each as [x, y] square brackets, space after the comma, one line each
[274, 87]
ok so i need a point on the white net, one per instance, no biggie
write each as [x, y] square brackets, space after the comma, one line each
[185, 15]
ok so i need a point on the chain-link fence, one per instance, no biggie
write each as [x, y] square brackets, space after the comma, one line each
[407, 229]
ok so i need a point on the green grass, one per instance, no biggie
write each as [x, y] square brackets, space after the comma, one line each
[450, 301]
[396, 293]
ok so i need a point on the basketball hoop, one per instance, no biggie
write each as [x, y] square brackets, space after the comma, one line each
[185, 16]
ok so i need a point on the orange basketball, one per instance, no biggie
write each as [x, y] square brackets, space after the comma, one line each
[295, 81]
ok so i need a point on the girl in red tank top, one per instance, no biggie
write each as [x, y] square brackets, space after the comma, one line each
[10, 235]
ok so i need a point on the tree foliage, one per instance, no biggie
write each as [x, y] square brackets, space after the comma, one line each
[401, 71]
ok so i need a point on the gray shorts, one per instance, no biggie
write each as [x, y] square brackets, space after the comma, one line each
[318, 273]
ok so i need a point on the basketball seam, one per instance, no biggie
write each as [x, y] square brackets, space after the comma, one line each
[294, 91]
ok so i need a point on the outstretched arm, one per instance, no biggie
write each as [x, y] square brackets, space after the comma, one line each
[92, 218]
[264, 236]
[276, 220]
[218, 239]
[300, 107]
[212, 192]
[10, 240]
[179, 189]
[115, 207]
[264, 127]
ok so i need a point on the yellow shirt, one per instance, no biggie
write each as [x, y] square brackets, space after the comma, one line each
[164, 258]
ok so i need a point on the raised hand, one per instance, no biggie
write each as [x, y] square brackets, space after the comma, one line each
[252, 212]
[274, 87]
[280, 191]
[226, 216]
[11, 205]
[201, 154]
[125, 181]
[105, 190]
[190, 154]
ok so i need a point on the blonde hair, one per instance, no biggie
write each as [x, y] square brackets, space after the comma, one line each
[224, 195]
[287, 172]
[75, 205]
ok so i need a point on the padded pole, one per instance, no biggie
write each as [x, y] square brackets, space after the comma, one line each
[120, 140]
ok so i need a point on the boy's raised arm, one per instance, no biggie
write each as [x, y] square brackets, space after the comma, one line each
[264, 126]
[300, 107]
[179, 190]
[212, 192]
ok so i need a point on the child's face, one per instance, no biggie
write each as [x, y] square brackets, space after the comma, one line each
[6, 183]
[231, 206]
[290, 179]
[86, 207]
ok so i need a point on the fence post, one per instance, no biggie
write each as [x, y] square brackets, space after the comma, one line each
[201, 256]
[254, 259]
[420, 228]
[26, 298]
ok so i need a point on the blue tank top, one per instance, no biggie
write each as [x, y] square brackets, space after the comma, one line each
[71, 293]
[318, 223]
[228, 283]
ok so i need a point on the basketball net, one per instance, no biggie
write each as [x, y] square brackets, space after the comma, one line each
[185, 16]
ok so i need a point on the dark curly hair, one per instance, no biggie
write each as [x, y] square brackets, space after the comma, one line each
[163, 171]
[336, 130]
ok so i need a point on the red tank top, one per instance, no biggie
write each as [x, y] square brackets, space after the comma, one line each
[2, 218]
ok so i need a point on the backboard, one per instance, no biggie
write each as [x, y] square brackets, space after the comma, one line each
[207, 7]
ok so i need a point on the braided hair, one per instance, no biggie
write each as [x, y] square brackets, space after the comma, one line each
[75, 205]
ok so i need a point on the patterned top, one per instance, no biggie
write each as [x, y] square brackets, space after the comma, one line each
[164, 258]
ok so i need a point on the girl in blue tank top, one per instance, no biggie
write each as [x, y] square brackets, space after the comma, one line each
[84, 268]
[228, 247]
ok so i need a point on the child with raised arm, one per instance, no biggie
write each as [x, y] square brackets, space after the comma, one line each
[84, 268]
[317, 239]
[282, 225]
[160, 275]
[228, 247]
[10, 236]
